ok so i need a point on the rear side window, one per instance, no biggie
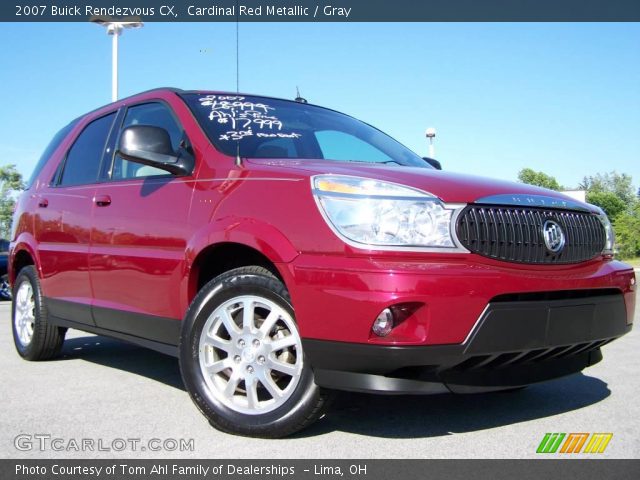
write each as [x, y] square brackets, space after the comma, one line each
[84, 157]
[52, 147]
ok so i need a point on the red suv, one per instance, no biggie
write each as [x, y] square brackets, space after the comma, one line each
[283, 250]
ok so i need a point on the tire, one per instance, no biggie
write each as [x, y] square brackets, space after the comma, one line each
[5, 288]
[247, 374]
[34, 337]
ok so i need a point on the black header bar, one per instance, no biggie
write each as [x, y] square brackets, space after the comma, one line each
[323, 10]
[278, 469]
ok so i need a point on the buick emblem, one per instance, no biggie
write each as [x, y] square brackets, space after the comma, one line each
[553, 236]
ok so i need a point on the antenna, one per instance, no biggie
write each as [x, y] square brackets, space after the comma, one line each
[237, 48]
[299, 99]
[238, 158]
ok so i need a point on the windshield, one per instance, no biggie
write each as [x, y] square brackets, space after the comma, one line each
[270, 128]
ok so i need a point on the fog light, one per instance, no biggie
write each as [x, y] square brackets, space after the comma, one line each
[384, 323]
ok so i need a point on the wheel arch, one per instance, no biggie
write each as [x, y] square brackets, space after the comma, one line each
[221, 257]
[21, 256]
[234, 242]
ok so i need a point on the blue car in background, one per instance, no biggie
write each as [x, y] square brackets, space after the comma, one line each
[5, 288]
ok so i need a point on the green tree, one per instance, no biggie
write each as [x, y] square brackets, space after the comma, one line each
[10, 183]
[614, 182]
[627, 228]
[615, 194]
[540, 179]
[611, 203]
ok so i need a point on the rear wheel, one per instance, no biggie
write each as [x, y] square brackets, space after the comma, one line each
[34, 337]
[241, 357]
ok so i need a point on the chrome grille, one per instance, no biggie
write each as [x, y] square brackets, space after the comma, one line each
[514, 234]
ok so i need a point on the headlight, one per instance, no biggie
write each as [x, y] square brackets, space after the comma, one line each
[610, 236]
[375, 213]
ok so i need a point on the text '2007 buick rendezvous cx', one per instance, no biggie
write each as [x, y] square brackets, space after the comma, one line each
[283, 251]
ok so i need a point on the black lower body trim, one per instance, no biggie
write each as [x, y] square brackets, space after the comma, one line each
[78, 312]
[158, 329]
[143, 342]
[158, 333]
[452, 375]
[366, 383]
[513, 344]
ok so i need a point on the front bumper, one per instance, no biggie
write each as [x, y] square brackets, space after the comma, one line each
[514, 343]
[337, 297]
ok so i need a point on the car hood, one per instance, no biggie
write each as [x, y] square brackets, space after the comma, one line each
[448, 186]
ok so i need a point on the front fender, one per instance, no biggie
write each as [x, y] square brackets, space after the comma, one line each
[260, 236]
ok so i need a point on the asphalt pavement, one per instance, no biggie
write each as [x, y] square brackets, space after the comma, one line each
[109, 394]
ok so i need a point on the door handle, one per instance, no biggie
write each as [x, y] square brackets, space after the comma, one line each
[102, 200]
[43, 203]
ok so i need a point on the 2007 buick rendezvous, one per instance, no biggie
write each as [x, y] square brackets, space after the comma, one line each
[283, 250]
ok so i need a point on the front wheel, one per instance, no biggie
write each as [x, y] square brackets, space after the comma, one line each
[241, 357]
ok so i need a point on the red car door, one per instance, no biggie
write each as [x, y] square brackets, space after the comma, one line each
[63, 223]
[139, 238]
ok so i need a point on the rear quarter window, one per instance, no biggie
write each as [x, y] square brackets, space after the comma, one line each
[49, 151]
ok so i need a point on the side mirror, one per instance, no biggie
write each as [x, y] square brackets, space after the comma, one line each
[433, 162]
[151, 146]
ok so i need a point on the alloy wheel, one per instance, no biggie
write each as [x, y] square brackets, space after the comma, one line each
[250, 354]
[24, 318]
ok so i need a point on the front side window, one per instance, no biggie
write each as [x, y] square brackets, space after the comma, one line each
[149, 114]
[258, 127]
[83, 159]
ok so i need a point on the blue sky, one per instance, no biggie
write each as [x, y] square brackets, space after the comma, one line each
[561, 98]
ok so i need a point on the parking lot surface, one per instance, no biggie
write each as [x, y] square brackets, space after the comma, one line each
[106, 391]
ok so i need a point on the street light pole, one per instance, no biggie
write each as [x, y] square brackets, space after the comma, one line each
[431, 134]
[115, 28]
